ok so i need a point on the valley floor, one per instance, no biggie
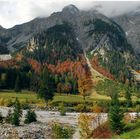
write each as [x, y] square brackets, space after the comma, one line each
[41, 129]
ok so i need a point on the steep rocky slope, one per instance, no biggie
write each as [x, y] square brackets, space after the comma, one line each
[130, 22]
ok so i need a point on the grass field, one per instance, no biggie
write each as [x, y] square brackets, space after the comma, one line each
[33, 99]
[32, 96]
[9, 94]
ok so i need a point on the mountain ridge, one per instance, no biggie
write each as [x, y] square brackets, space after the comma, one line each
[26, 30]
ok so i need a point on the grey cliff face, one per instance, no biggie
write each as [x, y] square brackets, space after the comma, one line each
[130, 22]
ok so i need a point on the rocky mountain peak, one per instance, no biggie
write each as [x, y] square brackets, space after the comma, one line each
[71, 9]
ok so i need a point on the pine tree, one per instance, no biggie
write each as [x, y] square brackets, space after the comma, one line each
[46, 90]
[17, 84]
[116, 115]
[17, 113]
[128, 97]
[30, 116]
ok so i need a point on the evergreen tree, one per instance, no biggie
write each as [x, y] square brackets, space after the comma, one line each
[116, 115]
[46, 90]
[17, 113]
[10, 78]
[128, 97]
[34, 82]
[17, 84]
[30, 116]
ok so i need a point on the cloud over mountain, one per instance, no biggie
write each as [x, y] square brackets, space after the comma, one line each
[14, 12]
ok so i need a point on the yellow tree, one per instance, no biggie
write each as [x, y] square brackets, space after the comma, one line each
[85, 125]
[84, 87]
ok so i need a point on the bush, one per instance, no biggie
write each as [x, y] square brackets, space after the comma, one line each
[85, 125]
[62, 109]
[62, 132]
[81, 108]
[30, 117]
[102, 132]
[96, 108]
[104, 105]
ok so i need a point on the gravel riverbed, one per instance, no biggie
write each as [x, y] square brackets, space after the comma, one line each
[42, 128]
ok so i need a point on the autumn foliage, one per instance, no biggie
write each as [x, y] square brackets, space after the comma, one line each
[8, 63]
[102, 132]
[100, 69]
[78, 69]
[90, 127]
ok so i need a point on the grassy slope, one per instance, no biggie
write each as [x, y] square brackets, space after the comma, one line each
[132, 132]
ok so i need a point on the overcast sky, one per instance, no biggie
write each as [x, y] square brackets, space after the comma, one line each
[14, 12]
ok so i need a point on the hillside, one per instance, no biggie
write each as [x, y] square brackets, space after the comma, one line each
[57, 43]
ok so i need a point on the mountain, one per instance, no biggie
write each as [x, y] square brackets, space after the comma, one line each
[110, 51]
[18, 36]
[130, 22]
[68, 36]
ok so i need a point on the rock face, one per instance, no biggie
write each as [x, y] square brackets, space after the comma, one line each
[130, 22]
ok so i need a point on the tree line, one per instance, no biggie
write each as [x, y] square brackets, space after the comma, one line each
[24, 77]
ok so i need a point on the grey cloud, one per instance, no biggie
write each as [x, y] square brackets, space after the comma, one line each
[14, 12]
[113, 8]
